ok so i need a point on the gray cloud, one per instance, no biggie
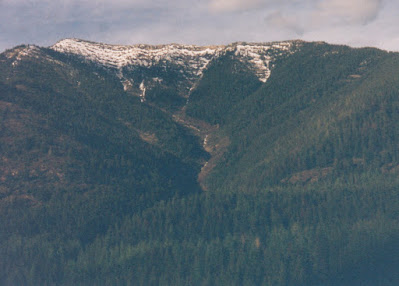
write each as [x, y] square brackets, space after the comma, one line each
[280, 21]
[234, 5]
[352, 12]
[324, 15]
[43, 22]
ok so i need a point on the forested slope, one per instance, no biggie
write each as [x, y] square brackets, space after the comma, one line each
[98, 187]
[326, 112]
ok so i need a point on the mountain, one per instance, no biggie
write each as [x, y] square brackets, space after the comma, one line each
[251, 163]
[153, 71]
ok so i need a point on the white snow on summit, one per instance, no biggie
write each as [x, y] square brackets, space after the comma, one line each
[190, 59]
[22, 52]
[193, 59]
[261, 56]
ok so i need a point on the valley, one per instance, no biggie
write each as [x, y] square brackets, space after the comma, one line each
[245, 164]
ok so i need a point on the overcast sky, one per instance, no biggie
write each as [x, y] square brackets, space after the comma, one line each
[353, 22]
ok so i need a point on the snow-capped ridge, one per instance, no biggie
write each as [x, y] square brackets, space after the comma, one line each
[191, 60]
[21, 52]
[118, 56]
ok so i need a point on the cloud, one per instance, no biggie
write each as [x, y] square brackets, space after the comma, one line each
[234, 5]
[280, 21]
[350, 11]
[43, 22]
[323, 15]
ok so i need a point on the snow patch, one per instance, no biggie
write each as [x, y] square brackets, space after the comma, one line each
[143, 89]
[191, 60]
[20, 53]
[259, 56]
[205, 141]
[127, 84]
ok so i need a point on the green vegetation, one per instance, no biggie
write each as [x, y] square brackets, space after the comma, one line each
[225, 84]
[323, 107]
[98, 188]
[291, 236]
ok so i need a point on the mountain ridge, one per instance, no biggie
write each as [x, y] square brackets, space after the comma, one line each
[190, 59]
[157, 174]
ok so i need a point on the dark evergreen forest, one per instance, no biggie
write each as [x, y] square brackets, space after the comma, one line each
[300, 187]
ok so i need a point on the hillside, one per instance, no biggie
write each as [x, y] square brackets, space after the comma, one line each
[246, 164]
[326, 112]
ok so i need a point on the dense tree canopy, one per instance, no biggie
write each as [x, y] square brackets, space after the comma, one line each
[99, 188]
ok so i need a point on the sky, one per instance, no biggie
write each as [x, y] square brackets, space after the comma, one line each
[356, 23]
